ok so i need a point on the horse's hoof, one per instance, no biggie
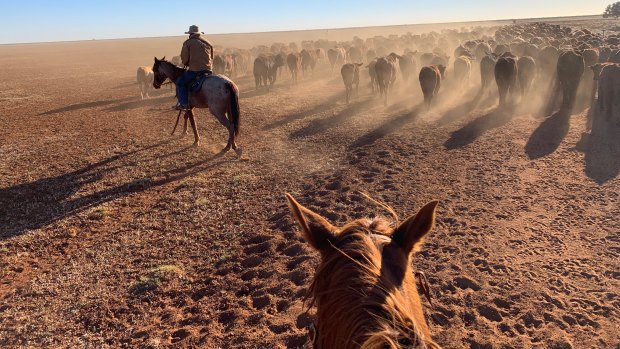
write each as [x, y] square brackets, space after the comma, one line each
[196, 144]
[239, 151]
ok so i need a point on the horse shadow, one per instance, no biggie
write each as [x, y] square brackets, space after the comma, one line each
[476, 128]
[140, 103]
[549, 135]
[602, 152]
[36, 204]
[324, 106]
[388, 127]
[320, 125]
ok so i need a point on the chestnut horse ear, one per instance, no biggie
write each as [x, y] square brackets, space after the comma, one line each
[317, 231]
[410, 233]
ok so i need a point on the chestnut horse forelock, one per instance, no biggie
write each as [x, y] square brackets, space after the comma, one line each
[364, 300]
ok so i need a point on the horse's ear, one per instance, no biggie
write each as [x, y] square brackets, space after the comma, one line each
[163, 59]
[412, 231]
[155, 59]
[317, 231]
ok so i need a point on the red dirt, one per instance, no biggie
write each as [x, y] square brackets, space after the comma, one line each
[113, 233]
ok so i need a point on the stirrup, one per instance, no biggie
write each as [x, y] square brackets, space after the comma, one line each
[182, 107]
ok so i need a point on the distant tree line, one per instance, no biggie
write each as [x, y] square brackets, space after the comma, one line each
[612, 10]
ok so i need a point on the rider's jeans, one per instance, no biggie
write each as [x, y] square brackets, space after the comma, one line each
[182, 86]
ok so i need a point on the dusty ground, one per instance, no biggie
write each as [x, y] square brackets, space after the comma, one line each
[115, 234]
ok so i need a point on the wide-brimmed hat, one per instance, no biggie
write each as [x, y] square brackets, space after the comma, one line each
[193, 29]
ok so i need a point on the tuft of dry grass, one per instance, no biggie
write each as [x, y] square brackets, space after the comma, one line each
[201, 201]
[156, 277]
[100, 213]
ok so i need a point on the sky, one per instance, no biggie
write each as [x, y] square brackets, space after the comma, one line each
[63, 20]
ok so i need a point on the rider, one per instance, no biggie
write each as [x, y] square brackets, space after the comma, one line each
[197, 56]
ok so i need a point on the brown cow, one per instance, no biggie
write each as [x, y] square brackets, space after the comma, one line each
[219, 64]
[386, 74]
[373, 74]
[266, 70]
[407, 65]
[336, 55]
[351, 76]
[294, 64]
[430, 82]
[354, 54]
[308, 60]
[229, 66]
[462, 71]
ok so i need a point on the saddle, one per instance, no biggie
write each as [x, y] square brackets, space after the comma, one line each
[196, 84]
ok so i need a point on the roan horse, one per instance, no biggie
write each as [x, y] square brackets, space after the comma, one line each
[364, 289]
[218, 93]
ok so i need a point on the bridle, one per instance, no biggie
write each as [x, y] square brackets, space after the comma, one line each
[160, 78]
[420, 277]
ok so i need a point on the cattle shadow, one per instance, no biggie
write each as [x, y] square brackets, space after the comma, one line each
[320, 125]
[602, 152]
[324, 106]
[476, 128]
[86, 105]
[36, 204]
[388, 127]
[548, 135]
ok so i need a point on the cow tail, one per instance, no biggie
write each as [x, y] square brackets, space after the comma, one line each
[235, 112]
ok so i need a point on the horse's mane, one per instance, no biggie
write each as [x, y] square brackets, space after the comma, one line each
[352, 273]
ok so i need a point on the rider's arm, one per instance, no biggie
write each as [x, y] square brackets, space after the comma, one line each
[185, 54]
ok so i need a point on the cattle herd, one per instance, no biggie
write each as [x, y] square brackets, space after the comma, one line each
[563, 63]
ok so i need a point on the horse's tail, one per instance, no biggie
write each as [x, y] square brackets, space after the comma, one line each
[234, 106]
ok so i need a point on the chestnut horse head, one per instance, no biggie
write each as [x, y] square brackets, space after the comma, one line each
[364, 288]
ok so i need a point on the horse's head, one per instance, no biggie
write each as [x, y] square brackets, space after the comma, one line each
[159, 74]
[364, 288]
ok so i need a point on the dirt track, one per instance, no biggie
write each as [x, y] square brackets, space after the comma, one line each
[114, 233]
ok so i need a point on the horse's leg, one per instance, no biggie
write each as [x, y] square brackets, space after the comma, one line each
[185, 117]
[220, 115]
[190, 114]
[176, 123]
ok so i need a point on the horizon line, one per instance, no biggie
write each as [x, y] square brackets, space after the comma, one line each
[298, 30]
